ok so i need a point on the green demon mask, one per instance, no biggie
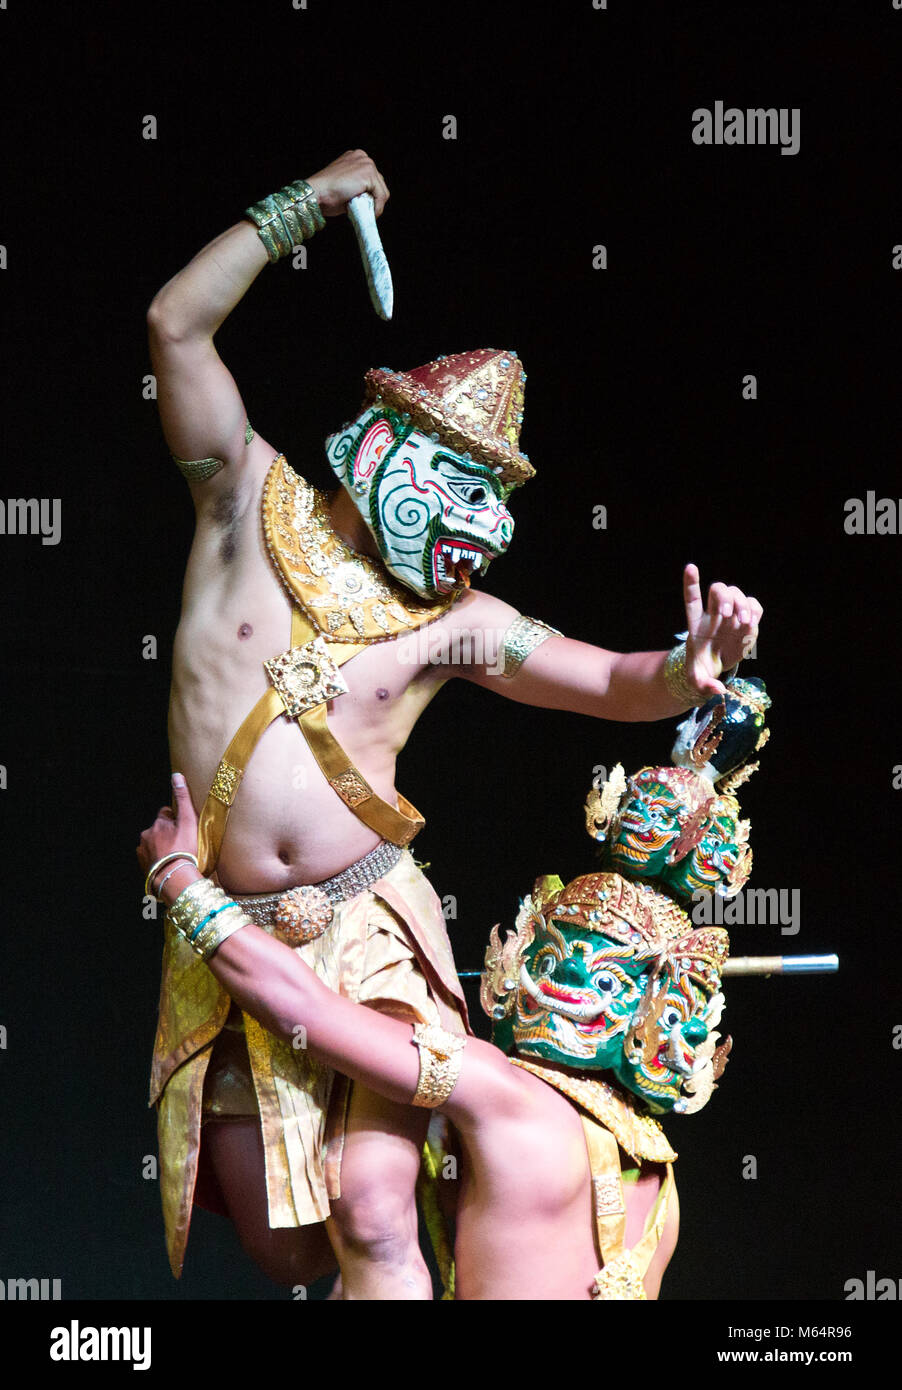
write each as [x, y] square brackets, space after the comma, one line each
[576, 996]
[722, 860]
[667, 1055]
[650, 821]
[608, 975]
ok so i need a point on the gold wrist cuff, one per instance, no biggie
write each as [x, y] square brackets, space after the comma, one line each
[675, 677]
[287, 218]
[219, 930]
[194, 903]
[197, 902]
[522, 638]
[441, 1058]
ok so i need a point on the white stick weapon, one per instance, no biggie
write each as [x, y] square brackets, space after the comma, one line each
[378, 275]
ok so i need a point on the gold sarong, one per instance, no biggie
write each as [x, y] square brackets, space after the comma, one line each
[387, 948]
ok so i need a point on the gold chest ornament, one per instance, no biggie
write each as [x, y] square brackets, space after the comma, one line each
[347, 596]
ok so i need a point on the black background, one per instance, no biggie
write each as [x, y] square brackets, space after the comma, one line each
[574, 129]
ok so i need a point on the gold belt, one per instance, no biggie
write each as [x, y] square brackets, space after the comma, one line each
[301, 914]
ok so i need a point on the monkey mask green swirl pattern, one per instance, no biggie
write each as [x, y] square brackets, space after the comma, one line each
[437, 517]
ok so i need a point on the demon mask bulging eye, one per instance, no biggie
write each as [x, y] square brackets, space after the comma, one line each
[471, 494]
[573, 1004]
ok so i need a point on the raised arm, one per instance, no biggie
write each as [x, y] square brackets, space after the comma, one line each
[561, 673]
[201, 410]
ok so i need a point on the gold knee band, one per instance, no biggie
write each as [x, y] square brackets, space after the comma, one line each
[441, 1058]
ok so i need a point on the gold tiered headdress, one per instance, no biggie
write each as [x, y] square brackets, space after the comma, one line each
[472, 400]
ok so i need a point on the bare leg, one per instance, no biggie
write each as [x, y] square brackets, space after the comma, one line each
[288, 1255]
[373, 1227]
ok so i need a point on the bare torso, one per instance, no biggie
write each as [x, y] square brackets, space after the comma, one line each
[525, 1221]
[532, 1190]
[286, 825]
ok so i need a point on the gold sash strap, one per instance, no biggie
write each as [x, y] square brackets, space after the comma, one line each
[399, 827]
[623, 1270]
[215, 813]
[607, 1188]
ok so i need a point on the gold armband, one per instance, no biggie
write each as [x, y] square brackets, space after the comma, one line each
[441, 1058]
[287, 218]
[522, 638]
[199, 470]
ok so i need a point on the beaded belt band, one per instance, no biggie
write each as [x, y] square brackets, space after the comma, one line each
[302, 914]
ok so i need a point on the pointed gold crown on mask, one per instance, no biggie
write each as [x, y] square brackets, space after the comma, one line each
[648, 926]
[606, 802]
[473, 401]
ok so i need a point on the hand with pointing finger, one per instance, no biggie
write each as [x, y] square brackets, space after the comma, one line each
[719, 635]
[171, 831]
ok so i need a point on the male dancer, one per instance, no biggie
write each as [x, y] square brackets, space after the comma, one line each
[317, 835]
[603, 978]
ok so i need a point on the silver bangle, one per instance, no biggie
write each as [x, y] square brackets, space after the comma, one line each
[174, 870]
[166, 859]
